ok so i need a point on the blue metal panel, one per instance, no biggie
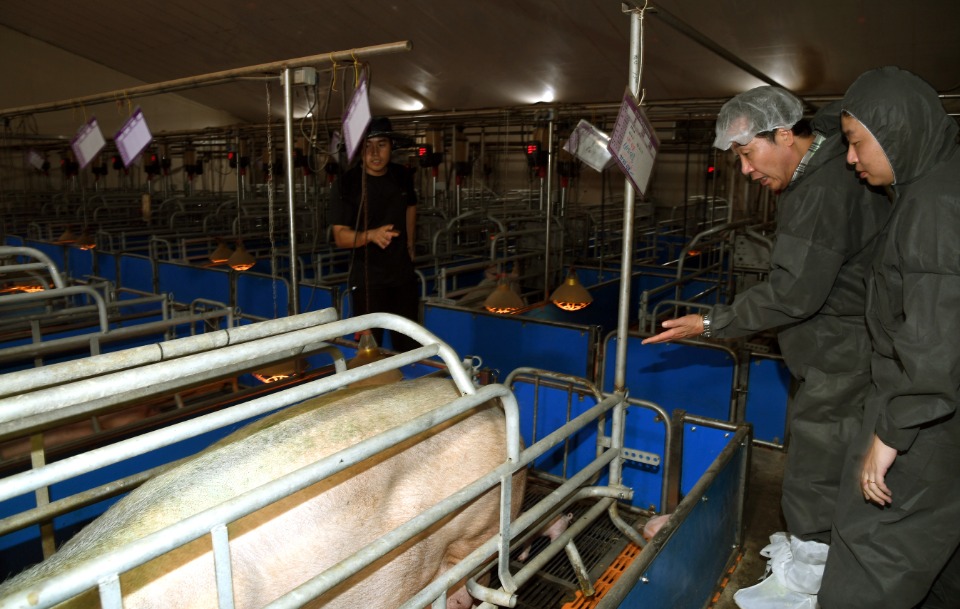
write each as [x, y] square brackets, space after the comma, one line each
[507, 342]
[262, 295]
[54, 251]
[80, 262]
[316, 297]
[701, 445]
[187, 283]
[692, 561]
[13, 240]
[105, 265]
[136, 273]
[768, 391]
[553, 409]
[698, 379]
[644, 431]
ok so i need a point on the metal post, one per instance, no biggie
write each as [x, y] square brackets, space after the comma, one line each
[291, 207]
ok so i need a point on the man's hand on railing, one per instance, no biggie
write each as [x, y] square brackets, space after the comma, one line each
[687, 326]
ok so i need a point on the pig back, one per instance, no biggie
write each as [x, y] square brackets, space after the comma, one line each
[285, 544]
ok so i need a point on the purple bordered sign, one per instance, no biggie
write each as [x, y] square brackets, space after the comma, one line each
[133, 137]
[633, 143]
[356, 118]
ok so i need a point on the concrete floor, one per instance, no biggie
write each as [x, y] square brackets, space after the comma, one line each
[761, 518]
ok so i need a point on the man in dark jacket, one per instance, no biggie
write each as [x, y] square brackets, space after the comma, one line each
[896, 531]
[373, 210]
[814, 293]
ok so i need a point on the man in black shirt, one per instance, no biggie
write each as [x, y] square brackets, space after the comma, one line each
[373, 210]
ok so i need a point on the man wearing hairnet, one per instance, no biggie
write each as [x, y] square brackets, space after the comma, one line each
[814, 294]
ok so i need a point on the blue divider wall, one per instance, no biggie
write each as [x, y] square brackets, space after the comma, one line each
[768, 392]
[80, 262]
[316, 297]
[55, 251]
[696, 378]
[507, 342]
[105, 265]
[692, 561]
[136, 273]
[643, 431]
[262, 295]
[186, 283]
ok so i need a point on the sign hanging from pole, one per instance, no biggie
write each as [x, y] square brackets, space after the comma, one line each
[633, 143]
[356, 118]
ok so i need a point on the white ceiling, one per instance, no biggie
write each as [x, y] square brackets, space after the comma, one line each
[471, 54]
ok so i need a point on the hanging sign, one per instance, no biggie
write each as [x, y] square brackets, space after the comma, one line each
[633, 143]
[590, 145]
[356, 118]
[133, 137]
[88, 142]
[35, 159]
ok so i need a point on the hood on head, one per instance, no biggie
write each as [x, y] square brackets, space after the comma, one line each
[906, 116]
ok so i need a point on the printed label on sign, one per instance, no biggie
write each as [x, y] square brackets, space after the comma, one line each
[88, 142]
[633, 143]
[356, 118]
[133, 137]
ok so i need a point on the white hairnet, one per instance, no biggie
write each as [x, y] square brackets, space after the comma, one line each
[757, 110]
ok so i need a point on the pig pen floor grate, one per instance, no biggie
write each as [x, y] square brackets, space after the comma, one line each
[556, 584]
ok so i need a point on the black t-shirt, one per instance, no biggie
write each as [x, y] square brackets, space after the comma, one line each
[388, 197]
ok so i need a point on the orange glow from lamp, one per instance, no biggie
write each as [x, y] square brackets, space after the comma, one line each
[571, 295]
[503, 300]
[222, 253]
[241, 260]
[86, 242]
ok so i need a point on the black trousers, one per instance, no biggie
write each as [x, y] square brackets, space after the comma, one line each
[403, 300]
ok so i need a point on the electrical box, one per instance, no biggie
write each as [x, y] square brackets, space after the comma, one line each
[303, 76]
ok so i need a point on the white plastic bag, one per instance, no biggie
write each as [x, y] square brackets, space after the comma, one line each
[794, 572]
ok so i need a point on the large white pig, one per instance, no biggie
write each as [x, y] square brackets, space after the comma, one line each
[283, 545]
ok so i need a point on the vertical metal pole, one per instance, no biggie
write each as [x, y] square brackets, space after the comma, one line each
[291, 207]
[546, 259]
[619, 385]
[628, 207]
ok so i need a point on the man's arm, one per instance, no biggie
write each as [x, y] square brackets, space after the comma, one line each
[346, 237]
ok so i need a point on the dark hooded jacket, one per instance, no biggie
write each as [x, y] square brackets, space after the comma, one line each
[826, 225]
[913, 302]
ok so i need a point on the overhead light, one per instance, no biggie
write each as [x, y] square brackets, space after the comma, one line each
[67, 236]
[368, 352]
[280, 371]
[571, 295]
[86, 241]
[241, 260]
[503, 299]
[222, 253]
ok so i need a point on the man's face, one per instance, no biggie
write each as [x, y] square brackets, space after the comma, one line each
[766, 162]
[376, 155]
[865, 153]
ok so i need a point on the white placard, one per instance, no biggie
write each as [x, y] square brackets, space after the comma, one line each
[133, 137]
[88, 142]
[633, 143]
[590, 145]
[356, 118]
[35, 159]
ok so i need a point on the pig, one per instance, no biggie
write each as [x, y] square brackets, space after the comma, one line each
[284, 544]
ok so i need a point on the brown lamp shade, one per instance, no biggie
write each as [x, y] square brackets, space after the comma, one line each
[503, 300]
[571, 295]
[241, 260]
[222, 253]
[368, 352]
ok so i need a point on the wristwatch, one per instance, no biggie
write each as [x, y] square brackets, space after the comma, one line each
[705, 320]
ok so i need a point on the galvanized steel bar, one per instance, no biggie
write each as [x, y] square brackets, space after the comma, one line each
[55, 374]
[11, 250]
[224, 76]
